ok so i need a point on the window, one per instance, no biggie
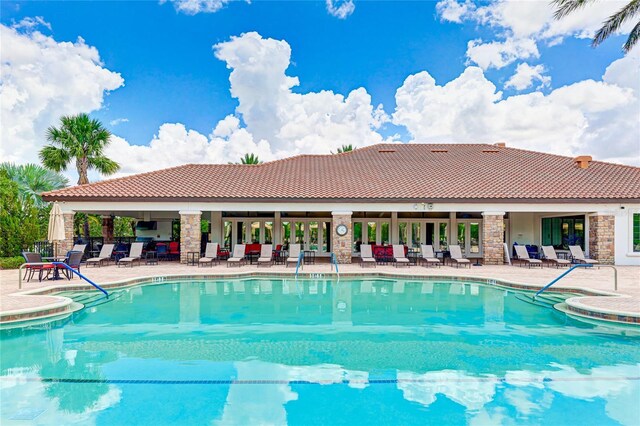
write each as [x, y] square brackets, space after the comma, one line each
[357, 236]
[443, 236]
[371, 232]
[299, 230]
[313, 236]
[326, 232]
[474, 237]
[636, 232]
[415, 234]
[268, 232]
[240, 231]
[227, 234]
[384, 228]
[286, 233]
[255, 232]
[402, 232]
[562, 232]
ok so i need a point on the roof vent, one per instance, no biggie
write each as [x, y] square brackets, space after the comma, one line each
[490, 150]
[583, 161]
[500, 144]
[439, 150]
[385, 151]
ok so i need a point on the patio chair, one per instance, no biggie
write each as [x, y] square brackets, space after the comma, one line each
[79, 247]
[578, 255]
[523, 257]
[266, 252]
[162, 251]
[399, 256]
[134, 255]
[73, 261]
[550, 255]
[174, 250]
[238, 257]
[428, 256]
[294, 254]
[210, 255]
[366, 255]
[104, 256]
[30, 257]
[456, 256]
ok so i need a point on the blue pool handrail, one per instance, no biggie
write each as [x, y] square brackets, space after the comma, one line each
[580, 265]
[334, 262]
[299, 262]
[68, 268]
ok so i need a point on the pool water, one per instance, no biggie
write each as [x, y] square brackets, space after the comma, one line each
[253, 352]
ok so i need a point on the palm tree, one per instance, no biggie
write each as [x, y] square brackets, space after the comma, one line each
[345, 148]
[82, 139]
[610, 26]
[33, 180]
[250, 159]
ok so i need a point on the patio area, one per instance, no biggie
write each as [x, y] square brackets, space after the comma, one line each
[12, 299]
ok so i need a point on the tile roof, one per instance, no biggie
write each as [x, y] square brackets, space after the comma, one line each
[386, 172]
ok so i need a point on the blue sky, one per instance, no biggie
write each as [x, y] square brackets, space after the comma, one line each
[170, 74]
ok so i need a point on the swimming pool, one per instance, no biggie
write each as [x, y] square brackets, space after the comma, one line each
[261, 351]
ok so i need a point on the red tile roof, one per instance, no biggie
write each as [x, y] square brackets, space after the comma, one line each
[387, 172]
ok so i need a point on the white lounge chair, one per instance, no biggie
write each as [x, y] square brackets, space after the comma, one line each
[366, 255]
[456, 256]
[398, 255]
[428, 256]
[294, 253]
[134, 255]
[238, 257]
[266, 255]
[523, 257]
[210, 255]
[550, 255]
[578, 256]
[105, 255]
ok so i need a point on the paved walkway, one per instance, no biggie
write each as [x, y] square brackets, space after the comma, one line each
[589, 279]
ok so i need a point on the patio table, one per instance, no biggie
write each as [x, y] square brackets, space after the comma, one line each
[56, 270]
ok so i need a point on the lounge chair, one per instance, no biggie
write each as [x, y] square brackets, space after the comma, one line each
[238, 257]
[266, 252]
[294, 254]
[428, 256]
[523, 257]
[105, 255]
[456, 256]
[578, 255]
[79, 247]
[134, 255]
[550, 255]
[210, 255]
[366, 255]
[398, 255]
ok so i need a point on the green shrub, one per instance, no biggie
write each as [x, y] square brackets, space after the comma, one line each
[11, 262]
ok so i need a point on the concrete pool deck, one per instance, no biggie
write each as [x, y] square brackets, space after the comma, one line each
[37, 299]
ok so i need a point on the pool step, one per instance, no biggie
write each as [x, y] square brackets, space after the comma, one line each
[89, 299]
[545, 300]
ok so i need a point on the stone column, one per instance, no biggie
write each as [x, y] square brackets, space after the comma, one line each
[67, 244]
[189, 233]
[493, 238]
[602, 238]
[341, 245]
[107, 229]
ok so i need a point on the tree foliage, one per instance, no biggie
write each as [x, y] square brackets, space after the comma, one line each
[345, 148]
[33, 180]
[250, 159]
[18, 220]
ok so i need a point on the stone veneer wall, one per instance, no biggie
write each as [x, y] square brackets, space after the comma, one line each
[493, 239]
[602, 238]
[67, 244]
[341, 246]
[107, 229]
[189, 233]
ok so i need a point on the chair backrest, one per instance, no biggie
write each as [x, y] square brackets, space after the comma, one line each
[136, 249]
[238, 251]
[576, 252]
[455, 251]
[265, 250]
[398, 251]
[174, 247]
[161, 248]
[294, 250]
[106, 250]
[427, 251]
[31, 257]
[365, 251]
[279, 247]
[549, 252]
[211, 251]
[522, 252]
[79, 247]
[74, 259]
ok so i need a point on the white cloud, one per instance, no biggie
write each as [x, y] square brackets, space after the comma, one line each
[118, 121]
[193, 7]
[341, 9]
[28, 23]
[452, 11]
[525, 75]
[35, 89]
[498, 54]
[589, 117]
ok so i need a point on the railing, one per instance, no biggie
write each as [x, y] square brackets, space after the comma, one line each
[56, 264]
[334, 262]
[565, 273]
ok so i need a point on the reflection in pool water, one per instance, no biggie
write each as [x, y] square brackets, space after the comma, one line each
[319, 352]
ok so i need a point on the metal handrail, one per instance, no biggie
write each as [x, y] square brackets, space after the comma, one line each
[58, 264]
[334, 262]
[581, 265]
[299, 262]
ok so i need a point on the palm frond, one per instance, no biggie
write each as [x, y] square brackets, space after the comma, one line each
[566, 7]
[54, 158]
[633, 38]
[104, 165]
[615, 21]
